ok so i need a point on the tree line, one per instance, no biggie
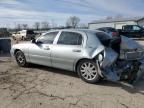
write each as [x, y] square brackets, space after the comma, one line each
[72, 22]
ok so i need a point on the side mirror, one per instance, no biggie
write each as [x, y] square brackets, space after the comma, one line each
[33, 40]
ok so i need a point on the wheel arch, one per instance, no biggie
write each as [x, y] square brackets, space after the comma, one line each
[94, 59]
[17, 50]
[78, 61]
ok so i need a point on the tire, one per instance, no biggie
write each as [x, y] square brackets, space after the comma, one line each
[20, 59]
[84, 70]
[23, 38]
[14, 38]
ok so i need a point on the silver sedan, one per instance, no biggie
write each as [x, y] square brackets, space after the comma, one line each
[73, 50]
[86, 52]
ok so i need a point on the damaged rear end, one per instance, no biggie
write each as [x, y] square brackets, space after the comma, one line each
[123, 60]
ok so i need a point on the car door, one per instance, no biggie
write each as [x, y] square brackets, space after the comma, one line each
[40, 51]
[66, 50]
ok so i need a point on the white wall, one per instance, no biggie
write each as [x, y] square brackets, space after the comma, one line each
[96, 26]
[141, 22]
[117, 25]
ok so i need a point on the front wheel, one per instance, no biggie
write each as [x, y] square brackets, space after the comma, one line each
[20, 59]
[23, 38]
[88, 71]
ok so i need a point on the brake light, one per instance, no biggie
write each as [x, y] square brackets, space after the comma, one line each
[114, 34]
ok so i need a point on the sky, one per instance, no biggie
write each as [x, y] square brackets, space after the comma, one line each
[13, 12]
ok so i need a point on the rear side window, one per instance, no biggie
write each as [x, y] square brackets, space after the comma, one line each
[112, 29]
[47, 38]
[70, 38]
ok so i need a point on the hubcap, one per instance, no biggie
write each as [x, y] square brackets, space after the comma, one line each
[20, 58]
[88, 71]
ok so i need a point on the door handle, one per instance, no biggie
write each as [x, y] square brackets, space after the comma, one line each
[76, 50]
[46, 48]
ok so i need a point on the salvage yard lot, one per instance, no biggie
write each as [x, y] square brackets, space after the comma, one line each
[44, 87]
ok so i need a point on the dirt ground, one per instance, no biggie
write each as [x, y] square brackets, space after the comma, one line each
[43, 87]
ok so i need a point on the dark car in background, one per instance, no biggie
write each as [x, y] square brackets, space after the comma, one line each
[109, 30]
[132, 31]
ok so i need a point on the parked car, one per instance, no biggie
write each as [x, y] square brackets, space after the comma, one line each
[23, 35]
[111, 31]
[90, 53]
[4, 33]
[132, 31]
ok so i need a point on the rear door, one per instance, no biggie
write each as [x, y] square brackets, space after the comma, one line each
[67, 49]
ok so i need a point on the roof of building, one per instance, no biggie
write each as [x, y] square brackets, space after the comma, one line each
[117, 20]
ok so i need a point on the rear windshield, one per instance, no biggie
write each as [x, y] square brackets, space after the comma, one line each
[111, 29]
[102, 36]
[30, 32]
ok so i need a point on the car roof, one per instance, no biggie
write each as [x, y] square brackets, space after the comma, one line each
[76, 30]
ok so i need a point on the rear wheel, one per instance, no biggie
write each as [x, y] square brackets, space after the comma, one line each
[88, 71]
[23, 38]
[20, 59]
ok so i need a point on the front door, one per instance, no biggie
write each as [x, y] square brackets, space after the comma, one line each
[40, 52]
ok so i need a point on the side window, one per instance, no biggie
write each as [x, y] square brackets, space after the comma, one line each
[70, 38]
[127, 28]
[136, 28]
[47, 38]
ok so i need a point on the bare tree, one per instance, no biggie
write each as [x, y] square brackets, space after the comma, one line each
[45, 25]
[25, 26]
[83, 25]
[18, 27]
[73, 21]
[37, 25]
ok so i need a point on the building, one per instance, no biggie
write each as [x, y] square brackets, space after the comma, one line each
[116, 22]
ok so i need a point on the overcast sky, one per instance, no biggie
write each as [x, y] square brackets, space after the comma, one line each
[29, 11]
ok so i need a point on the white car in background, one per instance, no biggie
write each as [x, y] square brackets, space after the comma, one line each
[23, 35]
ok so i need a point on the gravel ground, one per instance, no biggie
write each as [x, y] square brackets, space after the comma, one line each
[43, 87]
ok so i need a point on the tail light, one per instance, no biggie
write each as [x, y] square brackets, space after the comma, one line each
[114, 34]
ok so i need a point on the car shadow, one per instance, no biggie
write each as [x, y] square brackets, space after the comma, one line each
[133, 89]
[54, 70]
